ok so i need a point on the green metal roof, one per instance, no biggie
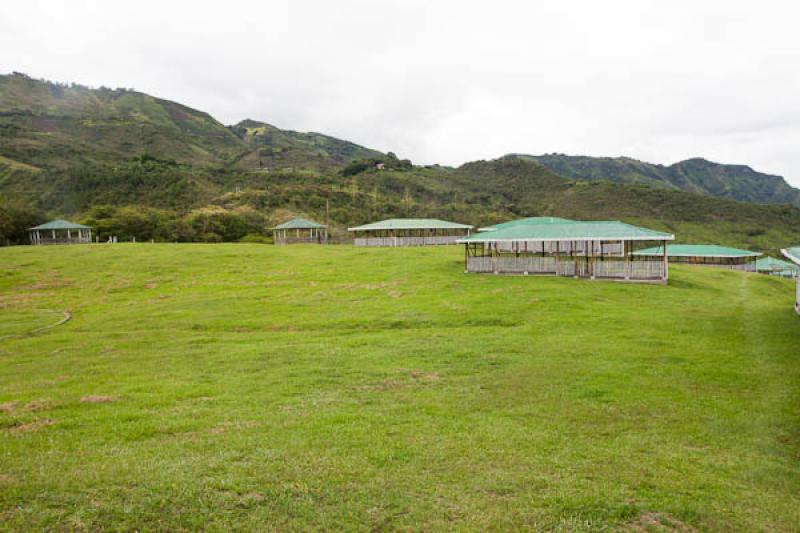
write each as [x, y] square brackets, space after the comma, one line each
[410, 223]
[792, 253]
[59, 224]
[530, 221]
[610, 230]
[697, 250]
[300, 223]
[771, 264]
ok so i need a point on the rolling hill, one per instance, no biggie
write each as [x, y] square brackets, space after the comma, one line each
[697, 175]
[134, 165]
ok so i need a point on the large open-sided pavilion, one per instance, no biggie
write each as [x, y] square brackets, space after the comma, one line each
[594, 250]
[711, 255]
[793, 254]
[776, 267]
[60, 232]
[409, 232]
[300, 231]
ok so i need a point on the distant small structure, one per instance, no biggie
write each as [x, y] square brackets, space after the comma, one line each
[776, 267]
[300, 231]
[793, 254]
[60, 232]
[380, 166]
[711, 255]
[409, 232]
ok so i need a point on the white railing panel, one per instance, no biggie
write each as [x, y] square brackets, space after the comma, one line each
[406, 241]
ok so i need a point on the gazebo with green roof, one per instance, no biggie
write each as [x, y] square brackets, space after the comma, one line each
[300, 231]
[594, 250]
[409, 232]
[793, 254]
[711, 255]
[60, 232]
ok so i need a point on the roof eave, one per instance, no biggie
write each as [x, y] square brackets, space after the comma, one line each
[754, 254]
[567, 239]
[789, 255]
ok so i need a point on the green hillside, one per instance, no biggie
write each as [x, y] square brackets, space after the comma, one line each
[243, 387]
[132, 165]
[738, 182]
[276, 149]
[57, 126]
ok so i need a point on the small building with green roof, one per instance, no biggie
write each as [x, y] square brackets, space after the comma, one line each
[712, 255]
[409, 232]
[594, 250]
[300, 231]
[60, 232]
[793, 254]
[776, 267]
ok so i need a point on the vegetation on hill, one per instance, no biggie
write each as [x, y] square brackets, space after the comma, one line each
[697, 175]
[283, 150]
[132, 165]
[243, 387]
[57, 126]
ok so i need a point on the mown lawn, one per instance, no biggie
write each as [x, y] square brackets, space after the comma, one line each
[256, 387]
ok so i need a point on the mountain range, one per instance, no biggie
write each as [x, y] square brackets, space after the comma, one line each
[697, 175]
[137, 165]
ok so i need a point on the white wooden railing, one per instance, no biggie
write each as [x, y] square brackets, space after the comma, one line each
[602, 268]
[406, 241]
[565, 247]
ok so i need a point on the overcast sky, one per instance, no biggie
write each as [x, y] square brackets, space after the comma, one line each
[450, 82]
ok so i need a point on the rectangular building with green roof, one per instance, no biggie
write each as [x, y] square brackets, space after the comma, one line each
[595, 250]
[711, 255]
[793, 254]
[409, 232]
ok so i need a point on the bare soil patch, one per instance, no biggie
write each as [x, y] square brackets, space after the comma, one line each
[97, 399]
[659, 523]
[38, 405]
[30, 427]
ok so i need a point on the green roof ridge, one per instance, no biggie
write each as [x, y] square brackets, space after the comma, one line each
[793, 253]
[59, 224]
[527, 221]
[573, 230]
[410, 223]
[300, 223]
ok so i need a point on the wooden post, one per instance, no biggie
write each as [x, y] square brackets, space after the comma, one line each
[626, 253]
[666, 263]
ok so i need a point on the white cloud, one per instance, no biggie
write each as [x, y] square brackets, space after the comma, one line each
[451, 81]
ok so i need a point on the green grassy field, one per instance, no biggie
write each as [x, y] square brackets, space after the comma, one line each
[255, 387]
